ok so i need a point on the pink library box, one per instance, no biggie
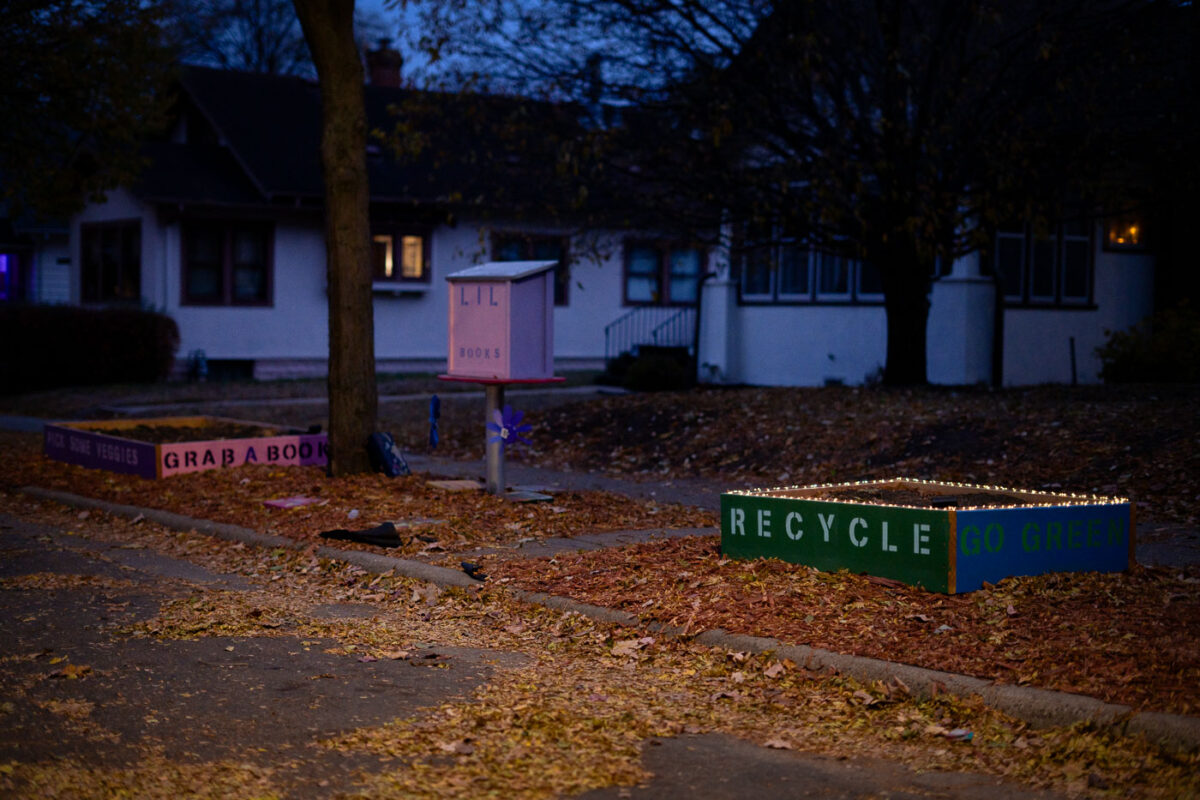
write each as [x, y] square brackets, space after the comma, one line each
[502, 321]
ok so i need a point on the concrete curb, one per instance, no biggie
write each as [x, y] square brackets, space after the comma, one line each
[1038, 707]
[371, 562]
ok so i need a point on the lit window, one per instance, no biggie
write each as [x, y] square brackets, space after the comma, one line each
[382, 256]
[412, 260]
[398, 257]
[1125, 233]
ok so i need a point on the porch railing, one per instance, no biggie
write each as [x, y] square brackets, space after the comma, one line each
[659, 326]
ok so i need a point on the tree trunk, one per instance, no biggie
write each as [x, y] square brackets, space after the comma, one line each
[353, 401]
[906, 285]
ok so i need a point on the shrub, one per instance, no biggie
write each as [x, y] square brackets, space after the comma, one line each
[617, 370]
[656, 370]
[51, 346]
[1163, 348]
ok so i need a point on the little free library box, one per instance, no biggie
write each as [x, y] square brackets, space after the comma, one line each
[945, 537]
[502, 322]
[164, 446]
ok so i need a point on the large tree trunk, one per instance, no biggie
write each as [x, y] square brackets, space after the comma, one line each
[906, 285]
[353, 401]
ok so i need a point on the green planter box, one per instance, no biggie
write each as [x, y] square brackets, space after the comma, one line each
[945, 537]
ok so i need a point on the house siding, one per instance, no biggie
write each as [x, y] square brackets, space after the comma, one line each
[410, 322]
[52, 272]
[1037, 342]
[292, 325]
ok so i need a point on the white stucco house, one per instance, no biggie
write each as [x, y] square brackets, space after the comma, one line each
[224, 234]
[812, 319]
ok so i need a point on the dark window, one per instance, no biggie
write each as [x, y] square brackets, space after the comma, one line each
[833, 277]
[1010, 263]
[870, 281]
[758, 277]
[683, 274]
[1051, 268]
[226, 263]
[524, 247]
[399, 255]
[662, 273]
[111, 268]
[795, 271]
[779, 266]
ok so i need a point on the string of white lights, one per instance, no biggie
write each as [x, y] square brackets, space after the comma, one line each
[1060, 498]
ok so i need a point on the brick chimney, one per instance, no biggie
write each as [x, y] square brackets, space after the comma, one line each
[383, 65]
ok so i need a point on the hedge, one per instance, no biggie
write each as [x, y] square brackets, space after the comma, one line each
[45, 347]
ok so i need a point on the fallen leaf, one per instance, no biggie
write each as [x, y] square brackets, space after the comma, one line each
[628, 647]
[395, 655]
[72, 671]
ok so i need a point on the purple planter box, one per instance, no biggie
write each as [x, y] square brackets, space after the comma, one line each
[99, 445]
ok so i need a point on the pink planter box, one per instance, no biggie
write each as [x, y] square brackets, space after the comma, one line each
[99, 445]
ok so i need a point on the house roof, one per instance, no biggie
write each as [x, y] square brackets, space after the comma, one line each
[270, 124]
[453, 149]
[502, 271]
[195, 173]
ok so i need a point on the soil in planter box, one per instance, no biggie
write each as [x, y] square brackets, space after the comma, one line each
[920, 498]
[175, 434]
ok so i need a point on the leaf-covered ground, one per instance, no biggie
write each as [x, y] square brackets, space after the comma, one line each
[1130, 638]
[574, 715]
[445, 520]
[1141, 442]
[1138, 442]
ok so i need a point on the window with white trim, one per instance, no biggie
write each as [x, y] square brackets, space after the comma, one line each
[1045, 268]
[399, 255]
[226, 263]
[662, 273]
[111, 256]
[786, 271]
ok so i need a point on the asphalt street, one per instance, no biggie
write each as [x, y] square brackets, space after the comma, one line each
[76, 685]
